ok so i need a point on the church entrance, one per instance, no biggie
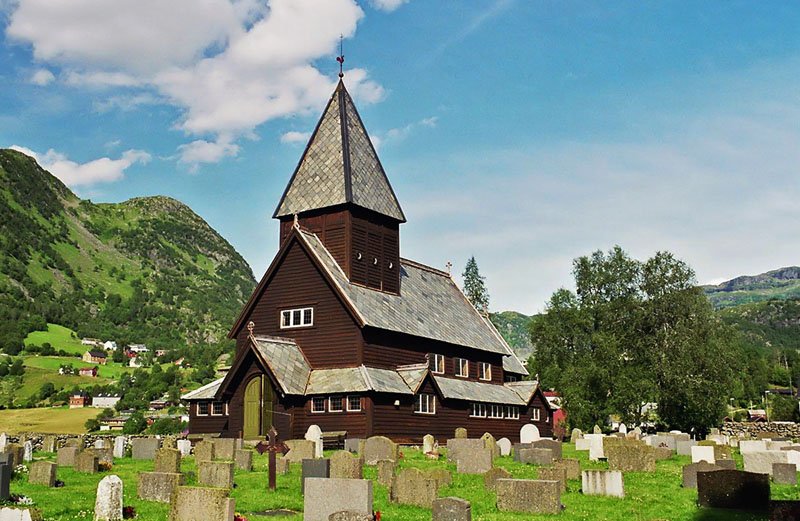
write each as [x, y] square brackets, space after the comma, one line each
[259, 400]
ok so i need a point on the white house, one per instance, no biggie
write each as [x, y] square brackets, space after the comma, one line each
[134, 362]
[110, 345]
[105, 401]
[138, 348]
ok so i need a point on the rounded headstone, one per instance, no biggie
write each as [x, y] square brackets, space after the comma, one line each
[528, 433]
[623, 429]
[314, 433]
[108, 505]
[504, 444]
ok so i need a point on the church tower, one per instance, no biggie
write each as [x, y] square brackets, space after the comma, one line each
[340, 192]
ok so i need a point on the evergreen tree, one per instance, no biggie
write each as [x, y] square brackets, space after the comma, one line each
[475, 286]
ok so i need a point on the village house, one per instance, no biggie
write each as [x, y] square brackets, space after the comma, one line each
[113, 424]
[105, 401]
[95, 357]
[344, 333]
[78, 400]
[137, 348]
[91, 342]
[88, 371]
[110, 345]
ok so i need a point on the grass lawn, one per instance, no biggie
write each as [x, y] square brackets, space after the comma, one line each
[649, 497]
[46, 419]
[59, 337]
[52, 363]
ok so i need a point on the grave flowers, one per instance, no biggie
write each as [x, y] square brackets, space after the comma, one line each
[128, 512]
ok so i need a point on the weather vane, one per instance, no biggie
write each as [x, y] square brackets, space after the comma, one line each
[340, 58]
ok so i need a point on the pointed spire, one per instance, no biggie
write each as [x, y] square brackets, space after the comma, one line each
[339, 165]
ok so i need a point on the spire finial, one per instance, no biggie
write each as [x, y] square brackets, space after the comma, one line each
[340, 58]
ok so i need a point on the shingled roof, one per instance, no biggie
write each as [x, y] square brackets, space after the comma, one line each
[339, 166]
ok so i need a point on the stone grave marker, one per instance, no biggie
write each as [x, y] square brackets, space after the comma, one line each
[597, 430]
[314, 434]
[701, 453]
[300, 450]
[42, 473]
[243, 459]
[413, 487]
[451, 509]
[474, 461]
[144, 448]
[379, 447]
[536, 456]
[553, 445]
[185, 446]
[120, 443]
[595, 446]
[490, 478]
[733, 489]
[662, 453]
[386, 472]
[554, 474]
[281, 466]
[583, 444]
[5, 480]
[571, 465]
[504, 444]
[517, 447]
[169, 442]
[204, 451]
[460, 433]
[3, 441]
[623, 429]
[528, 433]
[690, 472]
[108, 503]
[684, 448]
[746, 446]
[224, 448]
[167, 461]
[86, 462]
[346, 466]
[20, 514]
[27, 451]
[576, 435]
[602, 483]
[16, 453]
[667, 441]
[66, 456]
[353, 445]
[726, 464]
[104, 456]
[200, 503]
[761, 462]
[456, 445]
[490, 444]
[528, 495]
[74, 442]
[784, 473]
[326, 496]
[428, 442]
[314, 468]
[217, 474]
[48, 443]
[100, 443]
[158, 486]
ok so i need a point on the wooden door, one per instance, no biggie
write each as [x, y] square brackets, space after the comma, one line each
[268, 405]
[252, 409]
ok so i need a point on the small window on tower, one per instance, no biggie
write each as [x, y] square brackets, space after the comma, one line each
[300, 317]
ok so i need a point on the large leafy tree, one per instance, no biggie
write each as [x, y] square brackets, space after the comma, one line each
[475, 286]
[631, 333]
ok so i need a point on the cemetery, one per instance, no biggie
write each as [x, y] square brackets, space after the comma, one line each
[612, 476]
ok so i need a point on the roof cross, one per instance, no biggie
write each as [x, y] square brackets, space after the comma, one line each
[340, 58]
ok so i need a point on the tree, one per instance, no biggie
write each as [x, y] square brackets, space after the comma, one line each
[92, 424]
[634, 332]
[136, 424]
[475, 286]
[46, 390]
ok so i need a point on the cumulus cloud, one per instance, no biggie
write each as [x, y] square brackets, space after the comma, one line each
[71, 173]
[228, 65]
[387, 5]
[295, 137]
[401, 133]
[42, 77]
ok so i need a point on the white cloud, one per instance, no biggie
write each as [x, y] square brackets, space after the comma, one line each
[295, 137]
[401, 133]
[228, 65]
[102, 170]
[42, 77]
[387, 5]
[201, 151]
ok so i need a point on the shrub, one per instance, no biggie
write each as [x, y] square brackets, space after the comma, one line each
[136, 424]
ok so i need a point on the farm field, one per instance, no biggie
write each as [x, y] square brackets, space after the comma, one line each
[649, 496]
[57, 336]
[50, 420]
[52, 363]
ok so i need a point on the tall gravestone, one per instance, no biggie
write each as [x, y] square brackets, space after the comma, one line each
[314, 468]
[314, 434]
[528, 433]
[120, 442]
[108, 504]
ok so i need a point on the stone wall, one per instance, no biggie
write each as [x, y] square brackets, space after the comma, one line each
[750, 430]
[37, 438]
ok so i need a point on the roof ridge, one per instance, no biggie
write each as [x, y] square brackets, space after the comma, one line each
[425, 267]
[279, 339]
[408, 367]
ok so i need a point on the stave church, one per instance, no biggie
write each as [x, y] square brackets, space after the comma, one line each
[344, 333]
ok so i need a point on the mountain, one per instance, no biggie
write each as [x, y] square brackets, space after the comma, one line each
[780, 284]
[145, 270]
[513, 326]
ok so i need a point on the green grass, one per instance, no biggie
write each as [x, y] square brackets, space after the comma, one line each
[52, 363]
[59, 337]
[649, 496]
[57, 421]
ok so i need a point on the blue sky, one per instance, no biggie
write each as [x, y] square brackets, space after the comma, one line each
[525, 133]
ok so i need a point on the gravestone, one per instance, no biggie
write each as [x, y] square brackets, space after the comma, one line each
[243, 459]
[326, 496]
[314, 434]
[314, 468]
[282, 466]
[299, 450]
[761, 462]
[42, 473]
[169, 442]
[168, 461]
[597, 430]
[5, 480]
[602, 483]
[490, 444]
[456, 445]
[217, 474]
[554, 474]
[353, 445]
[571, 465]
[200, 503]
[386, 472]
[120, 443]
[204, 451]
[726, 464]
[428, 442]
[104, 456]
[100, 443]
[504, 444]
[690, 472]
[684, 448]
[108, 504]
[662, 453]
[185, 446]
[74, 442]
[583, 444]
[413, 487]
[553, 445]
[701, 453]
[733, 489]
[595, 446]
[623, 429]
[379, 447]
[158, 486]
[451, 509]
[66, 456]
[20, 514]
[528, 433]
[48, 443]
[517, 447]
[15, 453]
[3, 441]
[576, 435]
[27, 451]
[746, 446]
[667, 441]
[528, 495]
[224, 448]
[460, 433]
[86, 462]
[474, 461]
[784, 473]
[144, 448]
[346, 466]
[490, 478]
[442, 476]
[536, 456]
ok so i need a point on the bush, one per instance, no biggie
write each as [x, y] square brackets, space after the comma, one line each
[136, 424]
[92, 424]
[166, 426]
[784, 409]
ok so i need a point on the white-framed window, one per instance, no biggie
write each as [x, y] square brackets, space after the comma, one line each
[462, 367]
[437, 363]
[511, 378]
[335, 404]
[317, 404]
[300, 317]
[217, 408]
[353, 403]
[486, 371]
[478, 410]
[496, 412]
[512, 412]
[202, 408]
[535, 414]
[425, 404]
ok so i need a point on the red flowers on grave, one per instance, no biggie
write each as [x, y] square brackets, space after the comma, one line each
[239, 517]
[128, 512]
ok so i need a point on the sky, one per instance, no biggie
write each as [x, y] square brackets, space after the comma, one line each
[526, 133]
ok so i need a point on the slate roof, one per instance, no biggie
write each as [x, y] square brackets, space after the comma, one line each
[286, 361]
[524, 389]
[470, 391]
[206, 392]
[413, 375]
[339, 166]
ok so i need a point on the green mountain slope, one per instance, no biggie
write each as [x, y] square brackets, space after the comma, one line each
[514, 328]
[146, 270]
[780, 284]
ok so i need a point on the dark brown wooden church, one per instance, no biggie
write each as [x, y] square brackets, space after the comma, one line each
[344, 333]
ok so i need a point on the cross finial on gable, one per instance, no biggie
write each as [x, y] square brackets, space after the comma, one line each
[449, 266]
[340, 58]
[250, 327]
